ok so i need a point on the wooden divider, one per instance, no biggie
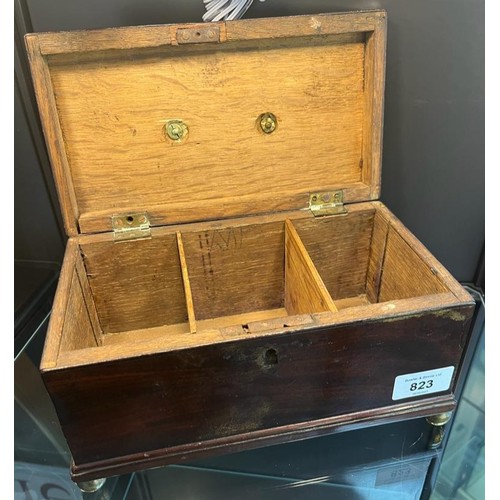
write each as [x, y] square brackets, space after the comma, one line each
[187, 284]
[305, 292]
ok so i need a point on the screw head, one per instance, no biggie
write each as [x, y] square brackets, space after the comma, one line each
[176, 130]
[268, 122]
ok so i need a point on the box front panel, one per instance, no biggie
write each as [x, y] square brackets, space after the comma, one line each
[189, 396]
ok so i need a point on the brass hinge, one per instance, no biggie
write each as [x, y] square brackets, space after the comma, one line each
[209, 33]
[327, 203]
[131, 226]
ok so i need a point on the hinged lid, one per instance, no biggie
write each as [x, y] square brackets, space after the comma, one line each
[209, 121]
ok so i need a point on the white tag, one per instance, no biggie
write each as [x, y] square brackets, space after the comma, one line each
[413, 385]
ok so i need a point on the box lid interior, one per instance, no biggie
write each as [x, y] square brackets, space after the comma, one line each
[107, 97]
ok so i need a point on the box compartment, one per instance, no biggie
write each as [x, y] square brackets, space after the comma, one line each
[242, 278]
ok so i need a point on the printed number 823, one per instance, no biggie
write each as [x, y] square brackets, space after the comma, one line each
[421, 385]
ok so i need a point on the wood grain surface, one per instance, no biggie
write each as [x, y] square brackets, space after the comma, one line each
[339, 246]
[441, 273]
[377, 253]
[134, 37]
[136, 284]
[54, 138]
[374, 107]
[235, 270]
[209, 330]
[404, 274]
[113, 115]
[88, 299]
[77, 330]
[61, 302]
[112, 91]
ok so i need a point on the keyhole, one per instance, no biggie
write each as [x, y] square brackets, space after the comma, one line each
[270, 358]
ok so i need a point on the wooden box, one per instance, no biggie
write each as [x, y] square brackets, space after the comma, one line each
[230, 278]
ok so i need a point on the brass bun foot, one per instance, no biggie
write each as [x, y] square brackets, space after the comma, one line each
[438, 422]
[91, 486]
[440, 419]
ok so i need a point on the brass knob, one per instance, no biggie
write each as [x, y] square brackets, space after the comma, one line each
[267, 122]
[176, 130]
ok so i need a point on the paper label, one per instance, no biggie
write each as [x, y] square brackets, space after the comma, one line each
[417, 384]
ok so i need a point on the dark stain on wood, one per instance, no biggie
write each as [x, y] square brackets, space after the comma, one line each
[209, 392]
